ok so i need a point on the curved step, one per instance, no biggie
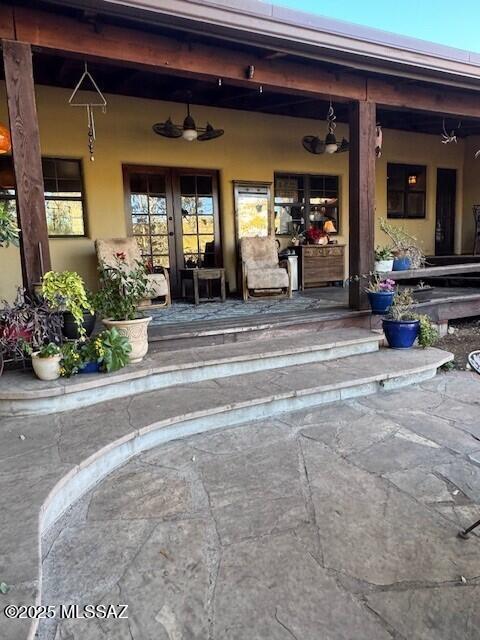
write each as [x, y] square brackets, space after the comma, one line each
[94, 442]
[21, 394]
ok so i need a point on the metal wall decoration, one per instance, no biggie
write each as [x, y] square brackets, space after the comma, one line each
[89, 106]
[447, 137]
[188, 131]
[314, 144]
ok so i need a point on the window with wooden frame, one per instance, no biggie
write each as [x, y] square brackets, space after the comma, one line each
[406, 190]
[305, 200]
[64, 200]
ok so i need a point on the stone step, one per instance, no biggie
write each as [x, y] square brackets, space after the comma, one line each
[20, 394]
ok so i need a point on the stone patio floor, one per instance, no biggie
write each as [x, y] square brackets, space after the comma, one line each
[337, 523]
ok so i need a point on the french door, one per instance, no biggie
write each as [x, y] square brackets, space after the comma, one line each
[174, 215]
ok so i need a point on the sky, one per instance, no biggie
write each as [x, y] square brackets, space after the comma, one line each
[454, 23]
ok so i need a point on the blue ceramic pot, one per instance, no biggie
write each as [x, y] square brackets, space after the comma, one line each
[90, 367]
[402, 263]
[380, 301]
[401, 334]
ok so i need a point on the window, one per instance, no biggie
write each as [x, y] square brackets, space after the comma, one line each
[63, 185]
[302, 201]
[406, 188]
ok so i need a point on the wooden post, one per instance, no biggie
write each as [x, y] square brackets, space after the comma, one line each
[27, 161]
[361, 197]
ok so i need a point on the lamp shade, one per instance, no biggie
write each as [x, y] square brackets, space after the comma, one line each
[330, 143]
[5, 140]
[329, 227]
[190, 132]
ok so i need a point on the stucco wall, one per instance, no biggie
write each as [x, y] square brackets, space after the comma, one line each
[253, 148]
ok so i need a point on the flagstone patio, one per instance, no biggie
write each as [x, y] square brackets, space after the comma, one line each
[336, 523]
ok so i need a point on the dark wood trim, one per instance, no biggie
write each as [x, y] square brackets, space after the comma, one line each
[7, 22]
[140, 49]
[27, 161]
[361, 198]
[132, 47]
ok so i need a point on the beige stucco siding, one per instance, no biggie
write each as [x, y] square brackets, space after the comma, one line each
[253, 148]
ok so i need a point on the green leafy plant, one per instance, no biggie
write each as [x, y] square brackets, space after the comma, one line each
[49, 350]
[404, 243]
[113, 349]
[122, 289]
[383, 253]
[428, 335]
[9, 232]
[66, 290]
[71, 360]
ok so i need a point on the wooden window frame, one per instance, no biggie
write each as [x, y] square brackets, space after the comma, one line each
[307, 191]
[409, 169]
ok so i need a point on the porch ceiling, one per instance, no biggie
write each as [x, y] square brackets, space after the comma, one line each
[60, 71]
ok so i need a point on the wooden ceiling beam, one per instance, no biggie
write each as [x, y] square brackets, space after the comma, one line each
[139, 49]
[420, 98]
[168, 55]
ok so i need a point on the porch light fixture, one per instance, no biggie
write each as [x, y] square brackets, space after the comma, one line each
[313, 144]
[5, 140]
[188, 131]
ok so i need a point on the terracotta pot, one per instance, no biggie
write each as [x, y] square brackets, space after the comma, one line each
[46, 368]
[137, 333]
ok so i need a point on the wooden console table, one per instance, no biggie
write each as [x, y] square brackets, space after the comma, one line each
[207, 275]
[321, 264]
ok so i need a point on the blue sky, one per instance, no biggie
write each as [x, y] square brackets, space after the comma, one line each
[454, 23]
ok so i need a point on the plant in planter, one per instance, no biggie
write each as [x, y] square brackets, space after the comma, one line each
[65, 291]
[122, 290]
[383, 260]
[402, 326]
[380, 293]
[25, 326]
[9, 232]
[315, 236]
[71, 360]
[108, 351]
[46, 361]
[406, 249]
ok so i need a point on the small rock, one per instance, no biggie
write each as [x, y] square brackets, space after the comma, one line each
[468, 366]
[451, 330]
[193, 458]
[21, 436]
[463, 579]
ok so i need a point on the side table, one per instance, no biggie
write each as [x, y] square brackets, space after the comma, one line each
[208, 275]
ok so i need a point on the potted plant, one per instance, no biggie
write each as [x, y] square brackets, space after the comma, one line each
[402, 326]
[66, 292]
[315, 236]
[383, 260]
[108, 351]
[380, 293]
[422, 292]
[46, 361]
[122, 290]
[406, 249]
[25, 325]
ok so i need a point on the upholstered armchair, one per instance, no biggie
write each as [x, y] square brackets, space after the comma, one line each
[159, 282]
[262, 274]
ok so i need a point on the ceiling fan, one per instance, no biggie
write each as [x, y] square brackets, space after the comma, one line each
[188, 131]
[315, 145]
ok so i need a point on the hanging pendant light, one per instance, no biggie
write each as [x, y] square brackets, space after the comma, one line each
[5, 140]
[313, 144]
[190, 132]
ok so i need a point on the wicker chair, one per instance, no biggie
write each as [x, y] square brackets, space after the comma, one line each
[159, 282]
[262, 274]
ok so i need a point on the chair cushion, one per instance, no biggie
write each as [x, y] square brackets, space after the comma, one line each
[267, 278]
[106, 250]
[158, 285]
[259, 252]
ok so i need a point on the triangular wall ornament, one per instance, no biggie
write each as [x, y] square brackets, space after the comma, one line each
[82, 85]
